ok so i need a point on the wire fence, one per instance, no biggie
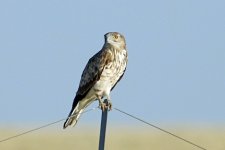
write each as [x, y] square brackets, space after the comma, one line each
[117, 109]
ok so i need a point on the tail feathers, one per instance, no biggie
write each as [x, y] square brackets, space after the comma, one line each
[77, 109]
[73, 117]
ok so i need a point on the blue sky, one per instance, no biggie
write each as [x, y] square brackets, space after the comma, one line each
[176, 69]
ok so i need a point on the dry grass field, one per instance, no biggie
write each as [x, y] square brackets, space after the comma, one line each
[118, 138]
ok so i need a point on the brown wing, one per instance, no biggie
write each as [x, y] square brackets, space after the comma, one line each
[92, 73]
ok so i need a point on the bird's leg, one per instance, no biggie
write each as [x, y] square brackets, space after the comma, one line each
[102, 105]
[109, 102]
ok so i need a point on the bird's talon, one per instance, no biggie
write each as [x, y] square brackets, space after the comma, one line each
[109, 105]
[105, 105]
[102, 106]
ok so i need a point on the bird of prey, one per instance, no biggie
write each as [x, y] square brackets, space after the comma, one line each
[101, 74]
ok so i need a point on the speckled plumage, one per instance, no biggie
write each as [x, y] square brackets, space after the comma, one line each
[101, 74]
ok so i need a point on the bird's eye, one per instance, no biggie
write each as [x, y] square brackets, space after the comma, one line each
[116, 36]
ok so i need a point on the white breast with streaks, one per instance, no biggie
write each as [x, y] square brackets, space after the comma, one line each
[111, 73]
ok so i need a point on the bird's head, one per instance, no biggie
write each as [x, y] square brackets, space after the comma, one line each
[115, 39]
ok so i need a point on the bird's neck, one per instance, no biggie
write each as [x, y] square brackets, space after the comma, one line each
[114, 46]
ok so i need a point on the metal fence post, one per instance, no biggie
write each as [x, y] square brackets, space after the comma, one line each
[103, 127]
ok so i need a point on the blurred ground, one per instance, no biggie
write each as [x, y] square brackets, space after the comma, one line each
[118, 138]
